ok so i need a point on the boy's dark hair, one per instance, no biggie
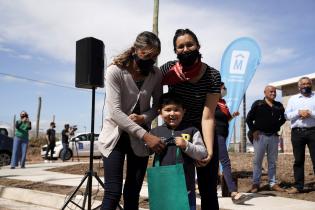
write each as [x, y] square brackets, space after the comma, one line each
[170, 98]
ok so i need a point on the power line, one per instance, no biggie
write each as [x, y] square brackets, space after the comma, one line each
[44, 82]
[37, 81]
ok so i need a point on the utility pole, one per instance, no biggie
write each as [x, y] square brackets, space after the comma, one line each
[38, 115]
[156, 32]
[156, 17]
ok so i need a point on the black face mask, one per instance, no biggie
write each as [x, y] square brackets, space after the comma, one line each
[189, 58]
[145, 66]
[306, 90]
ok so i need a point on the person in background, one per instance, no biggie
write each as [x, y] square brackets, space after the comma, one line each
[187, 138]
[51, 141]
[264, 120]
[65, 134]
[199, 86]
[301, 112]
[131, 81]
[20, 141]
[222, 118]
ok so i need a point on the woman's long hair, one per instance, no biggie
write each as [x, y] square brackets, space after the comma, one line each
[144, 40]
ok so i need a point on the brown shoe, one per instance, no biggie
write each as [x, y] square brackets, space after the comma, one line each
[277, 188]
[293, 190]
[255, 188]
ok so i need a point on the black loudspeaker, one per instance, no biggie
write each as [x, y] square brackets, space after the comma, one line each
[89, 63]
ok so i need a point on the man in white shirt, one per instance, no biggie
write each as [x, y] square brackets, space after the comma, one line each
[301, 112]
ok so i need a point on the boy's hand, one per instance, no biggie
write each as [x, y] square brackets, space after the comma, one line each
[181, 143]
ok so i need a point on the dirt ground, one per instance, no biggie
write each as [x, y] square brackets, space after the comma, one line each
[242, 172]
[241, 167]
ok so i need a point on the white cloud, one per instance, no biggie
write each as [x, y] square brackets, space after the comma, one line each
[5, 49]
[14, 53]
[279, 55]
[7, 78]
[52, 27]
[24, 56]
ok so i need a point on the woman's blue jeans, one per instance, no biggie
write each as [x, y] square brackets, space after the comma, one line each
[19, 151]
[226, 164]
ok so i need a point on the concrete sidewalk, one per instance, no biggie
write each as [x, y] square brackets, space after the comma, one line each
[38, 173]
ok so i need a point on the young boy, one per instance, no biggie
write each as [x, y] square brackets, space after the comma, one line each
[176, 134]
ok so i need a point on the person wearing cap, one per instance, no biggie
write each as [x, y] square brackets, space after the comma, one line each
[51, 141]
[301, 112]
[20, 141]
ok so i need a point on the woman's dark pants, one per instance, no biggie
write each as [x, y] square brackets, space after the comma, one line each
[113, 170]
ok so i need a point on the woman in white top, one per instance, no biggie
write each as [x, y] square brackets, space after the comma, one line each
[130, 81]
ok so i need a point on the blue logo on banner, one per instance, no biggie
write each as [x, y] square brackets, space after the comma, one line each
[238, 66]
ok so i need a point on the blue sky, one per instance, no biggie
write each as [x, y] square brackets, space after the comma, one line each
[37, 41]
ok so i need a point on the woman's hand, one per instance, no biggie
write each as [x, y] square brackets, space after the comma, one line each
[25, 119]
[139, 119]
[235, 114]
[154, 143]
[205, 161]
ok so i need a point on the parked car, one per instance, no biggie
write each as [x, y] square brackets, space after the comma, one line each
[79, 145]
[6, 129]
[6, 145]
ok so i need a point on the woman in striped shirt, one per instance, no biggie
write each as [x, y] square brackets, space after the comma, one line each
[199, 86]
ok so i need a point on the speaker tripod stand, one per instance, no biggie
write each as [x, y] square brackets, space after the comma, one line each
[89, 174]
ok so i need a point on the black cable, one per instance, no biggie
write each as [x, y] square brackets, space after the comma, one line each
[46, 82]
